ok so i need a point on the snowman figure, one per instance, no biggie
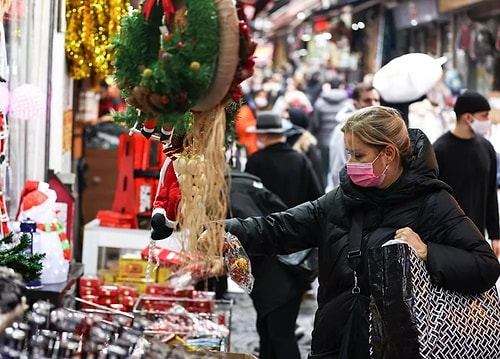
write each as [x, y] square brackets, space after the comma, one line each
[38, 203]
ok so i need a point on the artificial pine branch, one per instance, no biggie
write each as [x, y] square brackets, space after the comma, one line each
[17, 257]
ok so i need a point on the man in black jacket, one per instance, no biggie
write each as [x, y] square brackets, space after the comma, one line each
[276, 293]
[286, 172]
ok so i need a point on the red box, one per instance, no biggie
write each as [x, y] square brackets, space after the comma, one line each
[90, 299]
[128, 290]
[119, 307]
[163, 290]
[88, 291]
[128, 301]
[91, 281]
[199, 306]
[167, 257]
[108, 291]
[108, 300]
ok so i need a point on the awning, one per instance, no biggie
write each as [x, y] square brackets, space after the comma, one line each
[286, 17]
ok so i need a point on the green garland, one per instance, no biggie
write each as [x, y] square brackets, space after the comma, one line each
[163, 76]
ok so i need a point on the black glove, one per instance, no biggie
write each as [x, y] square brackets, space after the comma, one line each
[160, 228]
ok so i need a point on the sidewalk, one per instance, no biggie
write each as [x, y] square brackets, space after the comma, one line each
[244, 337]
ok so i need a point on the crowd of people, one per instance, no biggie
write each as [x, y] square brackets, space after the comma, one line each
[322, 150]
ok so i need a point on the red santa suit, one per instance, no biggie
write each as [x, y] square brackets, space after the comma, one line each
[168, 196]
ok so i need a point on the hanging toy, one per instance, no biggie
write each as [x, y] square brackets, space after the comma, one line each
[168, 194]
[149, 126]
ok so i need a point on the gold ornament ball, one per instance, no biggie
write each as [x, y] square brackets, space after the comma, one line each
[148, 73]
[195, 66]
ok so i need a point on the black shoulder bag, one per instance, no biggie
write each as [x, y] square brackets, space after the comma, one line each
[355, 343]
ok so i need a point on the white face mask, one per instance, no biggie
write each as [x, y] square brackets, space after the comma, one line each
[480, 127]
[260, 145]
[260, 102]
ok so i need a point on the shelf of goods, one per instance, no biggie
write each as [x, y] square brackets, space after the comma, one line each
[69, 333]
[96, 237]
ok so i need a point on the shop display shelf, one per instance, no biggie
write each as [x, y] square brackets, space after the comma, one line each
[167, 319]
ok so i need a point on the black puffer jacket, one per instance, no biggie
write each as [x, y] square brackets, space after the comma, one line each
[458, 256]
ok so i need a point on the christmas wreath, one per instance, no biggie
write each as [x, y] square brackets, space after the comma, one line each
[179, 65]
[170, 60]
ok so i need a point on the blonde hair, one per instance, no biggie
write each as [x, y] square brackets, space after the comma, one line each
[380, 126]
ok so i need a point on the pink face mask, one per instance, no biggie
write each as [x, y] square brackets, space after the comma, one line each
[362, 173]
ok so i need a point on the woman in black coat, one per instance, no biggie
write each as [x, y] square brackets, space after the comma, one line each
[391, 178]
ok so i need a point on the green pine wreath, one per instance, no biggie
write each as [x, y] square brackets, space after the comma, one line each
[162, 74]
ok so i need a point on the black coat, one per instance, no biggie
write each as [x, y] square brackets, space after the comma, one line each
[285, 172]
[459, 258]
[274, 283]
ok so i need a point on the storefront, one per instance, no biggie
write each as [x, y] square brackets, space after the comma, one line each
[33, 67]
[476, 38]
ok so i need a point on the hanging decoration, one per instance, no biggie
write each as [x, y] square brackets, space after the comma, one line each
[179, 65]
[90, 26]
[27, 103]
[190, 63]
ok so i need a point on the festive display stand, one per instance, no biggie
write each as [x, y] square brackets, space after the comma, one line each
[179, 65]
[99, 332]
[195, 317]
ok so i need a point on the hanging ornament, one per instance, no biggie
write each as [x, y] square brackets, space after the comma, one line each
[28, 102]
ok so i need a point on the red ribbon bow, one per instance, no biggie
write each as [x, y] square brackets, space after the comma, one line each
[167, 6]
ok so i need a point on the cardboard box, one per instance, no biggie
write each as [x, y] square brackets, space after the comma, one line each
[108, 275]
[162, 273]
[132, 267]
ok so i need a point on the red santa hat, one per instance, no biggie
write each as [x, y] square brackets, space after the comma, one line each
[33, 194]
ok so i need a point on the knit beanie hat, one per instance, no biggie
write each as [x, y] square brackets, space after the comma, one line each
[471, 102]
[298, 117]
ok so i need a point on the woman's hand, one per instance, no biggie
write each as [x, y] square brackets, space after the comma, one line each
[407, 235]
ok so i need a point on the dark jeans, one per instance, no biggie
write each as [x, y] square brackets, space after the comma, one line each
[277, 332]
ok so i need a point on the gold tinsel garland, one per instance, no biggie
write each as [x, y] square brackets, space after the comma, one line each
[91, 24]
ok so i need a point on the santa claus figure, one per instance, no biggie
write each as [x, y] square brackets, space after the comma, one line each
[38, 203]
[168, 194]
